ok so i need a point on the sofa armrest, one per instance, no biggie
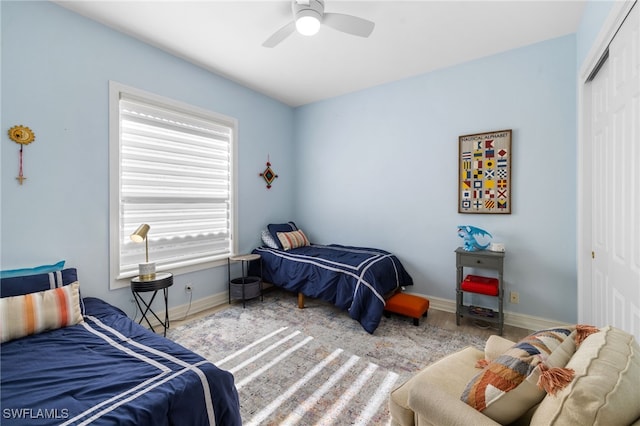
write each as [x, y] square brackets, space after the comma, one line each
[437, 407]
[496, 346]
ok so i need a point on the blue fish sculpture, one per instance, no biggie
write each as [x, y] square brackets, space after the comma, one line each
[470, 236]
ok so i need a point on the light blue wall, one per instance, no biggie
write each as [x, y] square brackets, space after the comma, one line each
[55, 74]
[379, 168]
[594, 15]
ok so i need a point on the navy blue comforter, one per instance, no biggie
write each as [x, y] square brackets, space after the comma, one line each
[108, 371]
[352, 278]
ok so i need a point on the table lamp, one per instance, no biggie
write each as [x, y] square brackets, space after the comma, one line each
[147, 270]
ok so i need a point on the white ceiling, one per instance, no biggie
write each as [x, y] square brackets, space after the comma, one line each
[410, 38]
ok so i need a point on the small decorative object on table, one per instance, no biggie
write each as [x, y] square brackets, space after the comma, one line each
[470, 235]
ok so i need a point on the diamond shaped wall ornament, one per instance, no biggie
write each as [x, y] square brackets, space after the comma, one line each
[268, 175]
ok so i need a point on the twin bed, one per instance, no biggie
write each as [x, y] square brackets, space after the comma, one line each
[104, 369]
[68, 360]
[355, 279]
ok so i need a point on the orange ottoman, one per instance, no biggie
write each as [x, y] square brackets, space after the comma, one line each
[408, 305]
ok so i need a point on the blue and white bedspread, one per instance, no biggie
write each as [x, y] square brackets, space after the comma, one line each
[111, 371]
[352, 278]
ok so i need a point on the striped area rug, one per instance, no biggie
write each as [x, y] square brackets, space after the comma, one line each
[314, 366]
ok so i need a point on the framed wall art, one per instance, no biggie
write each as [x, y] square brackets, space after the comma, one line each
[484, 167]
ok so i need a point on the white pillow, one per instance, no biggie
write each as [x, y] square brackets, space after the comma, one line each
[268, 240]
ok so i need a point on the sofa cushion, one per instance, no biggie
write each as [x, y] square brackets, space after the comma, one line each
[496, 346]
[436, 375]
[604, 390]
[507, 387]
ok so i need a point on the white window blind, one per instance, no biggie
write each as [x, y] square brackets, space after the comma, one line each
[175, 175]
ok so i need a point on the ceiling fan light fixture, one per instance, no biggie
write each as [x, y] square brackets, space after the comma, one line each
[308, 15]
[308, 22]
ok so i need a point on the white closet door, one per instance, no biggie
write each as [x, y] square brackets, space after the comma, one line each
[615, 141]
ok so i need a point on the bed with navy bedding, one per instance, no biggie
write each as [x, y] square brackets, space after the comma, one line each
[356, 279]
[107, 370]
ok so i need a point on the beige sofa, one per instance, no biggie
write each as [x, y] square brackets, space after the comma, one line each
[604, 390]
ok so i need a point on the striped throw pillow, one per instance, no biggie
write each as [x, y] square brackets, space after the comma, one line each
[41, 311]
[507, 387]
[293, 239]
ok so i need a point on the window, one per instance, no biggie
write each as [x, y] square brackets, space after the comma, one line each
[172, 167]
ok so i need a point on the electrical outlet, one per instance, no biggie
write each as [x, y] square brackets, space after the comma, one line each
[187, 288]
[514, 297]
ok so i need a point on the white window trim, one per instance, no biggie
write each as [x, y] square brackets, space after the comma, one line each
[117, 281]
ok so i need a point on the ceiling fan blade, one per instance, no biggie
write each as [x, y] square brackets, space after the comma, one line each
[349, 24]
[280, 35]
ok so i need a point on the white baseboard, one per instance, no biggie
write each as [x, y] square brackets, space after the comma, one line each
[510, 318]
[199, 305]
[179, 312]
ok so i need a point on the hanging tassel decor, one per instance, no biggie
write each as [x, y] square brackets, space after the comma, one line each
[268, 174]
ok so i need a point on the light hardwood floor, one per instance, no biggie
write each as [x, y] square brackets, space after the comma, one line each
[447, 321]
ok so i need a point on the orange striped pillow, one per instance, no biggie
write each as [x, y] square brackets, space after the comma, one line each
[294, 239]
[37, 312]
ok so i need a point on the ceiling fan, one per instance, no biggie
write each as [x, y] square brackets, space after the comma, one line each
[308, 15]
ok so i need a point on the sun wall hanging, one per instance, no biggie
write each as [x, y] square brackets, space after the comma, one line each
[21, 135]
[268, 175]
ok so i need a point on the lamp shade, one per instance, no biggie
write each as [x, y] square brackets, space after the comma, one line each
[140, 234]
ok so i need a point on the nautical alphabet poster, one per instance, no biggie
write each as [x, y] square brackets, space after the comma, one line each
[485, 173]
